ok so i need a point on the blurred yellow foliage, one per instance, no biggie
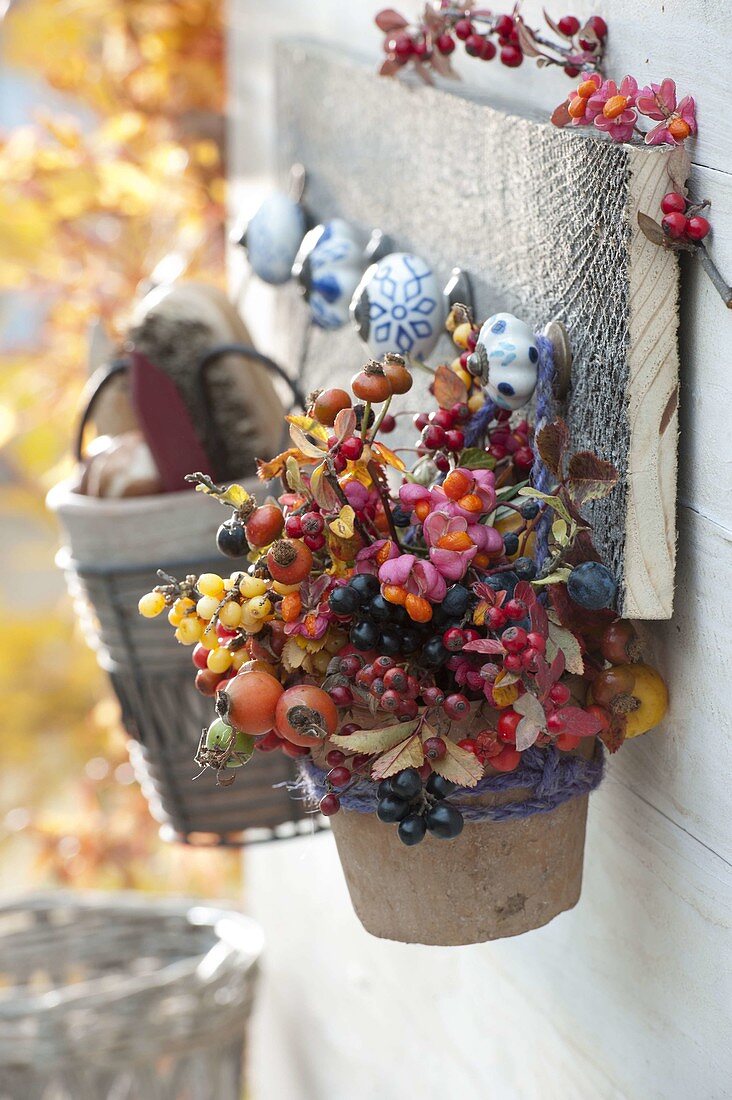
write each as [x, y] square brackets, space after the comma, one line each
[129, 179]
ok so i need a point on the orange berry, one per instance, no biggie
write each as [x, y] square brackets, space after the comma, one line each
[471, 503]
[567, 741]
[290, 607]
[481, 560]
[328, 404]
[422, 509]
[679, 129]
[289, 561]
[456, 540]
[396, 371]
[576, 107]
[383, 554]
[418, 608]
[394, 593]
[586, 89]
[457, 484]
[615, 106]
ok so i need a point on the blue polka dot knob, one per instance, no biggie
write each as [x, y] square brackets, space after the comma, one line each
[506, 359]
[328, 268]
[399, 306]
[273, 236]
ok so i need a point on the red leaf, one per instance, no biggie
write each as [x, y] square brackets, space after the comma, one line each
[449, 389]
[389, 20]
[590, 477]
[551, 442]
[484, 645]
[578, 722]
[560, 115]
[389, 67]
[614, 736]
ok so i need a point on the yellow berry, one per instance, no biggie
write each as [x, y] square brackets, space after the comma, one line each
[209, 638]
[461, 333]
[219, 660]
[206, 607]
[211, 584]
[182, 607]
[189, 631]
[239, 657]
[463, 375]
[285, 589]
[259, 607]
[229, 584]
[252, 586]
[230, 615]
[151, 604]
[175, 617]
[476, 401]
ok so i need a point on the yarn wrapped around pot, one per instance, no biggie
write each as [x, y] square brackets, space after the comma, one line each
[549, 776]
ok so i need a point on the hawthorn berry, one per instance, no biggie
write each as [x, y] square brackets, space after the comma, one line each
[456, 706]
[569, 25]
[697, 228]
[329, 804]
[673, 203]
[674, 225]
[434, 748]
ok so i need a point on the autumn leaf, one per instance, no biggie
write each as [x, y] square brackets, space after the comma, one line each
[475, 458]
[505, 689]
[449, 390]
[344, 424]
[293, 475]
[389, 20]
[590, 477]
[484, 645]
[406, 754]
[458, 765]
[532, 723]
[551, 442]
[562, 640]
[342, 526]
[651, 229]
[276, 466]
[614, 736]
[293, 656]
[387, 456]
[376, 740]
[578, 722]
[554, 502]
[304, 445]
[323, 492]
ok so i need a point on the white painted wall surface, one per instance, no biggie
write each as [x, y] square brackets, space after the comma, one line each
[629, 995]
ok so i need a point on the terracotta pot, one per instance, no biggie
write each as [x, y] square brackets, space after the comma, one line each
[497, 879]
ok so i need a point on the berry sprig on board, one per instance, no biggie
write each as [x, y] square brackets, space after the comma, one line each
[427, 44]
[394, 624]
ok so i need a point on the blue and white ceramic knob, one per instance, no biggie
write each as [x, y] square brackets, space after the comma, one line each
[273, 236]
[399, 306]
[328, 267]
[506, 359]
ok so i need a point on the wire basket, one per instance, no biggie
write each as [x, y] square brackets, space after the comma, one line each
[117, 997]
[110, 545]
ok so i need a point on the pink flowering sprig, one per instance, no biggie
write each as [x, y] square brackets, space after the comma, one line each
[615, 109]
[427, 44]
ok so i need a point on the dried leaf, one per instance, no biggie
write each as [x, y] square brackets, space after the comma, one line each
[551, 442]
[342, 526]
[613, 737]
[389, 20]
[578, 722]
[376, 740]
[526, 40]
[475, 458]
[293, 656]
[389, 67]
[323, 492]
[590, 477]
[505, 689]
[560, 115]
[458, 765]
[532, 723]
[449, 389]
[303, 444]
[387, 457]
[484, 645]
[651, 229]
[344, 424]
[276, 466]
[293, 475]
[561, 639]
[559, 576]
[407, 754]
[554, 26]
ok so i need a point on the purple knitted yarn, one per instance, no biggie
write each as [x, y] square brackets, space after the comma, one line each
[540, 476]
[550, 777]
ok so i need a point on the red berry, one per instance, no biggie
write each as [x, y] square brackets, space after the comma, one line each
[425, 771]
[352, 448]
[388, 424]
[560, 694]
[461, 412]
[511, 56]
[524, 458]
[312, 523]
[407, 710]
[673, 203]
[506, 761]
[383, 664]
[512, 662]
[378, 687]
[495, 618]
[554, 723]
[364, 676]
[456, 706]
[497, 450]
[456, 439]
[421, 50]
[487, 53]
[341, 695]
[294, 751]
[507, 723]
[445, 43]
[396, 679]
[697, 228]
[348, 729]
[329, 804]
[504, 25]
[599, 26]
[434, 748]
[338, 776]
[335, 757]
[293, 527]
[536, 641]
[514, 638]
[444, 418]
[349, 666]
[359, 760]
[269, 742]
[413, 687]
[433, 436]
[441, 461]
[391, 700]
[314, 542]
[463, 29]
[420, 421]
[453, 639]
[571, 70]
[339, 463]
[515, 609]
[469, 745]
[674, 225]
[200, 656]
[474, 45]
[569, 25]
[402, 48]
[433, 697]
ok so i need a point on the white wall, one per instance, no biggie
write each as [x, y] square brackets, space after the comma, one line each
[626, 996]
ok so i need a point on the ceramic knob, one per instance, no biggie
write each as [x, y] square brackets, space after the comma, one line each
[328, 268]
[506, 359]
[273, 236]
[399, 306]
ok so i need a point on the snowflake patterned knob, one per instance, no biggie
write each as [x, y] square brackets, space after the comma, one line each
[273, 236]
[399, 306]
[328, 268]
[506, 359]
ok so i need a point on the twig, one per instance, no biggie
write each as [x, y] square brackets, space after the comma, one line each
[715, 275]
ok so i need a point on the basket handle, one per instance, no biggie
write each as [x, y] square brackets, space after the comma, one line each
[95, 385]
[248, 352]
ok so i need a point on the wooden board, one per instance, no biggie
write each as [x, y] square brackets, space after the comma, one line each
[545, 223]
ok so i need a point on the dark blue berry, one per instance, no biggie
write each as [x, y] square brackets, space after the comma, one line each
[364, 635]
[410, 640]
[439, 787]
[407, 784]
[379, 609]
[456, 601]
[390, 809]
[365, 585]
[444, 821]
[412, 829]
[510, 543]
[400, 517]
[530, 509]
[384, 788]
[359, 411]
[231, 539]
[525, 569]
[592, 585]
[344, 600]
[502, 582]
[434, 653]
[390, 642]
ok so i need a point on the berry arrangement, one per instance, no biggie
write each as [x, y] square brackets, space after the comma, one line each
[400, 626]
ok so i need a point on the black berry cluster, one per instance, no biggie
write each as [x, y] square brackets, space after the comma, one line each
[416, 809]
